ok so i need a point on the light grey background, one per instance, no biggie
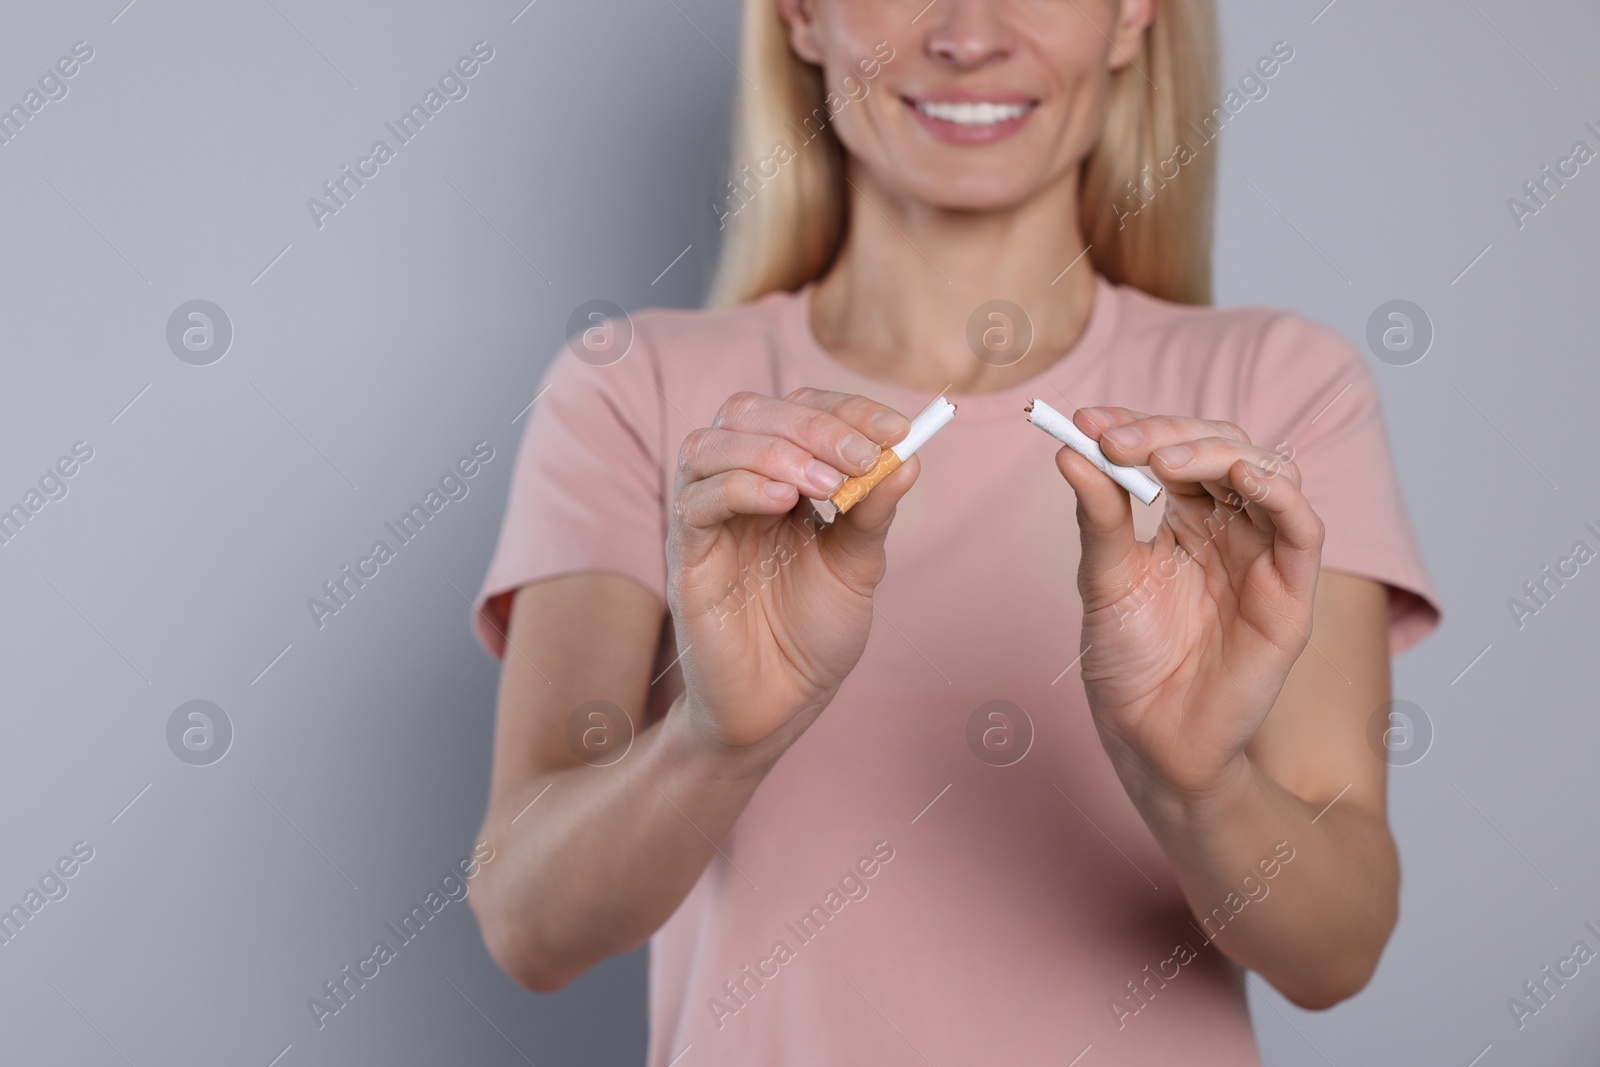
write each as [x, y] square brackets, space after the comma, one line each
[372, 353]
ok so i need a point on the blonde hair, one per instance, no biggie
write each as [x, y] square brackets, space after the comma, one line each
[789, 232]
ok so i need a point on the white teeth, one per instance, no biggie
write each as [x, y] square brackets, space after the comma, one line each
[979, 114]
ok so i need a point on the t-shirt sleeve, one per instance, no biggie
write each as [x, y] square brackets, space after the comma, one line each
[587, 487]
[1310, 396]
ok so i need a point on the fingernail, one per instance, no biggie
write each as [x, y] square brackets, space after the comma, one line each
[1175, 455]
[1123, 436]
[823, 477]
[778, 490]
[1099, 416]
[887, 424]
[860, 451]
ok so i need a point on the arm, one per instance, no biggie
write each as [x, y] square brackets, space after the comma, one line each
[602, 858]
[1230, 723]
[769, 613]
[1328, 913]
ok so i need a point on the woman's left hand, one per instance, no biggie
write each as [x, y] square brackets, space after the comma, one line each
[1188, 637]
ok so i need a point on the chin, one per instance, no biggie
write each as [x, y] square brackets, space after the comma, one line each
[993, 186]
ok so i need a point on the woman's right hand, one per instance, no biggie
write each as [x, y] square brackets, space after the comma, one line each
[772, 609]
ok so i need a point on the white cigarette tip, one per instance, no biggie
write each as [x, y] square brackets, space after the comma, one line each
[928, 422]
[1140, 485]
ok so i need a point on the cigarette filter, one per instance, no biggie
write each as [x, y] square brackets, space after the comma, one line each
[925, 425]
[1135, 481]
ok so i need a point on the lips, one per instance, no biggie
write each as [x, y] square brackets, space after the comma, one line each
[971, 116]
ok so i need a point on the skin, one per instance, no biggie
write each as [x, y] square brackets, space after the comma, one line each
[1229, 676]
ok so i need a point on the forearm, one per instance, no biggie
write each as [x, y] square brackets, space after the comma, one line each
[592, 860]
[1315, 926]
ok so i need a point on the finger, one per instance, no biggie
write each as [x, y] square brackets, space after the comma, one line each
[881, 423]
[701, 508]
[1131, 442]
[1201, 470]
[1105, 525]
[708, 452]
[845, 431]
[1193, 467]
[1297, 529]
[1093, 420]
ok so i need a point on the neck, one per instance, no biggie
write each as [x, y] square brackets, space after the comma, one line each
[897, 302]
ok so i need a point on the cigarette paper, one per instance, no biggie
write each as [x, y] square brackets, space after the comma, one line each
[1135, 481]
[925, 425]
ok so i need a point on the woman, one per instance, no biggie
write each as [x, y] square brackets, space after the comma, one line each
[976, 790]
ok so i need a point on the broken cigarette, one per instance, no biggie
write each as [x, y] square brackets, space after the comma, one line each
[1059, 426]
[931, 419]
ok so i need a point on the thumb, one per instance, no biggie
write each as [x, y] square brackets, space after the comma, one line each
[1111, 560]
[855, 541]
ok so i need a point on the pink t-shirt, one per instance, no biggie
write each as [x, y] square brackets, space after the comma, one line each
[888, 896]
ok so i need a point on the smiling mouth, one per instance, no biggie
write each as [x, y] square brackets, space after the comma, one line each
[972, 113]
